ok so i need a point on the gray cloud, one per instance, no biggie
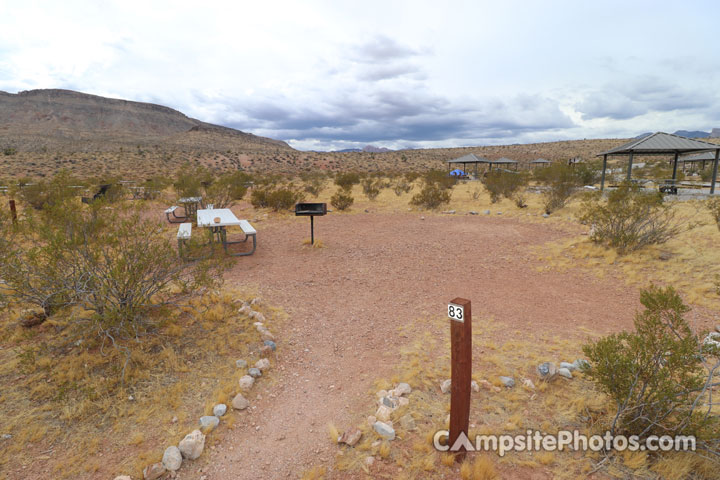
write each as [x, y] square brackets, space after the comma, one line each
[643, 95]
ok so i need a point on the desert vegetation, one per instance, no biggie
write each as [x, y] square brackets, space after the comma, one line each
[98, 309]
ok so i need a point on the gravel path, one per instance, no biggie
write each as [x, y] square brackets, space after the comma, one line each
[347, 301]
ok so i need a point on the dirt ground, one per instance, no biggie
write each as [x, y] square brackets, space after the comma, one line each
[347, 302]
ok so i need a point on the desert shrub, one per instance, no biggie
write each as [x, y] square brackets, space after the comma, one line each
[439, 178]
[371, 187]
[629, 219]
[713, 206]
[432, 196]
[276, 197]
[314, 183]
[347, 180]
[225, 190]
[706, 174]
[506, 184]
[44, 194]
[342, 199]
[660, 374]
[8, 151]
[560, 182]
[191, 181]
[116, 266]
[588, 173]
[401, 185]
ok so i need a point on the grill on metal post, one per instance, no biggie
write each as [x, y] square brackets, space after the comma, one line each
[311, 210]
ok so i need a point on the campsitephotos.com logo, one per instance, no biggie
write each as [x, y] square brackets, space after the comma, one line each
[573, 440]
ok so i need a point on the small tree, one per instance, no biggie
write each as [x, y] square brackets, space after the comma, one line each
[659, 376]
[227, 189]
[371, 187]
[630, 218]
[347, 180]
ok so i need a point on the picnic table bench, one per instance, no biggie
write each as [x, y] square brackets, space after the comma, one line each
[190, 206]
[218, 219]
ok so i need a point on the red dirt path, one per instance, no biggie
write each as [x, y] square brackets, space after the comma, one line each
[347, 301]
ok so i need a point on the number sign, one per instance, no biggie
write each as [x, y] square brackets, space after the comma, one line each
[456, 312]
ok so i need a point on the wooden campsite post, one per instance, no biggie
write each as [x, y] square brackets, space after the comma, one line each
[13, 211]
[460, 315]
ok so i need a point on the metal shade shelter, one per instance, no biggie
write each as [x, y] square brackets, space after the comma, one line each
[505, 161]
[540, 161]
[661, 143]
[469, 159]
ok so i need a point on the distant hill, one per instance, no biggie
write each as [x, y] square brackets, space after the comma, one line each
[688, 134]
[692, 134]
[66, 120]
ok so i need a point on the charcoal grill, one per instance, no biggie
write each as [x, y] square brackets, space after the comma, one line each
[311, 210]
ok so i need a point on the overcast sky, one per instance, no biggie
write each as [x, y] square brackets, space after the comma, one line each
[337, 74]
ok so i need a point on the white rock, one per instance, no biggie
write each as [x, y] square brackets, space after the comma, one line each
[548, 371]
[369, 461]
[240, 402]
[445, 387]
[172, 458]
[266, 335]
[256, 301]
[257, 316]
[350, 437]
[191, 447]
[717, 328]
[219, 409]
[123, 477]
[402, 389]
[154, 471]
[384, 430]
[528, 384]
[382, 393]
[246, 382]
[474, 386]
[240, 363]
[209, 422]
[402, 401]
[262, 364]
[509, 382]
[245, 310]
[564, 372]
[383, 413]
[371, 420]
[568, 365]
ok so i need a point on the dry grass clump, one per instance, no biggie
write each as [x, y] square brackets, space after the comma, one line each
[689, 261]
[62, 392]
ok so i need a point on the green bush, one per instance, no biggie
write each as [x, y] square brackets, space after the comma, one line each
[190, 181]
[342, 199]
[401, 185]
[116, 265]
[347, 180]
[371, 187]
[659, 375]
[629, 219]
[45, 194]
[9, 151]
[276, 197]
[432, 196]
[314, 183]
[588, 173]
[506, 184]
[225, 190]
[713, 206]
[439, 178]
[560, 183]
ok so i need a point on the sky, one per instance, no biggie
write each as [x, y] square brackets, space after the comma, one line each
[335, 74]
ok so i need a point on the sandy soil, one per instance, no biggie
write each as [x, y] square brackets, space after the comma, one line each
[347, 301]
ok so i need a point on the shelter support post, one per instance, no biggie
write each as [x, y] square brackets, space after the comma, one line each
[714, 172]
[629, 170]
[675, 161]
[602, 179]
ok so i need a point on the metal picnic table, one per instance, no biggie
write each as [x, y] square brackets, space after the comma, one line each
[217, 220]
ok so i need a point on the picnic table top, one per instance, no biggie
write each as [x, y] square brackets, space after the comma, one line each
[206, 218]
[190, 200]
